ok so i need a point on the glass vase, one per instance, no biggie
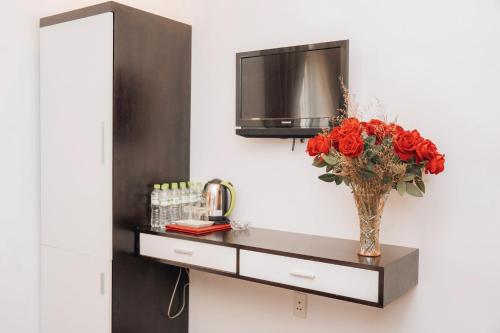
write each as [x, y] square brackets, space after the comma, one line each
[370, 201]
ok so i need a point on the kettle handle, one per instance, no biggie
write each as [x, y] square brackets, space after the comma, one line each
[232, 191]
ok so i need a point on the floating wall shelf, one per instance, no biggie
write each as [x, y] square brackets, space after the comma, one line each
[313, 264]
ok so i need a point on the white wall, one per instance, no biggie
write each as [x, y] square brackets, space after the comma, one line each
[19, 147]
[434, 64]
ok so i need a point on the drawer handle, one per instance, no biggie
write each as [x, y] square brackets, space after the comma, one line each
[181, 251]
[303, 275]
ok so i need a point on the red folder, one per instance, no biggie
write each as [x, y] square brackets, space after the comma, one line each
[198, 231]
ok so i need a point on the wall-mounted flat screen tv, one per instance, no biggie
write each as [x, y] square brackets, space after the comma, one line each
[291, 91]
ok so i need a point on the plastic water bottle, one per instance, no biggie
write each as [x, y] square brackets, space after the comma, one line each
[184, 198]
[192, 193]
[175, 207]
[164, 205]
[199, 194]
[155, 206]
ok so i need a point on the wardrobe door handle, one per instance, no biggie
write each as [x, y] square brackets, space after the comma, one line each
[303, 275]
[103, 284]
[103, 144]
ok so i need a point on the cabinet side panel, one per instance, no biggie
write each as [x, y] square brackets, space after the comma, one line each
[152, 90]
[152, 82]
[141, 294]
[400, 276]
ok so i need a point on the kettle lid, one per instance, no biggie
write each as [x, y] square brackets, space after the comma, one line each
[215, 181]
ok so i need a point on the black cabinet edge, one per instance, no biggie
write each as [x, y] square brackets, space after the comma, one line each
[105, 7]
[76, 14]
[400, 277]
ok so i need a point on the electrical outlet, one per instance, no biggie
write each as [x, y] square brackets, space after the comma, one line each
[300, 305]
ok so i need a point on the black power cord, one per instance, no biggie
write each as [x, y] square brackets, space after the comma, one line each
[293, 143]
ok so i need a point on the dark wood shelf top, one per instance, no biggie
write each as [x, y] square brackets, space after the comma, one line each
[309, 247]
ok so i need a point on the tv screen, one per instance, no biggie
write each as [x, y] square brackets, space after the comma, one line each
[291, 87]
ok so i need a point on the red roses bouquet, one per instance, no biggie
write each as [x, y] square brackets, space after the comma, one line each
[375, 151]
[372, 158]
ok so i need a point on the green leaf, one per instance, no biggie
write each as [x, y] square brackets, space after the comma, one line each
[401, 187]
[370, 140]
[368, 153]
[366, 173]
[386, 179]
[347, 181]
[414, 169]
[328, 177]
[338, 180]
[369, 166]
[418, 172]
[420, 184]
[329, 168]
[375, 158]
[329, 159]
[408, 177]
[411, 189]
[318, 162]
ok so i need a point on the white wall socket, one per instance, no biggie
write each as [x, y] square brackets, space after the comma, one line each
[300, 305]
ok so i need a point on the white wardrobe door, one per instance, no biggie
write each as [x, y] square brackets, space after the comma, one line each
[76, 292]
[76, 89]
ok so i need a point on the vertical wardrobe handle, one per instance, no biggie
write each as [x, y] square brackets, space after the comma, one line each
[103, 143]
[103, 284]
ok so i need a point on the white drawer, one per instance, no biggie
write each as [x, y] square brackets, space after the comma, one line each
[217, 257]
[329, 278]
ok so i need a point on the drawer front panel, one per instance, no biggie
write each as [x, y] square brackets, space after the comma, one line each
[329, 278]
[217, 257]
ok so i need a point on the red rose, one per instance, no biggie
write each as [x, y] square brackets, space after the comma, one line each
[425, 150]
[405, 144]
[377, 128]
[393, 129]
[350, 125]
[435, 165]
[351, 145]
[317, 145]
[334, 136]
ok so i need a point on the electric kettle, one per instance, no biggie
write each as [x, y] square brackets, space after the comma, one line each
[219, 196]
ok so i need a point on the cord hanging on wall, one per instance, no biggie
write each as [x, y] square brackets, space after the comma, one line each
[173, 316]
[293, 143]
